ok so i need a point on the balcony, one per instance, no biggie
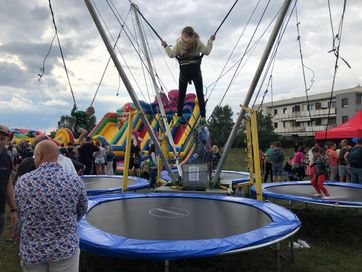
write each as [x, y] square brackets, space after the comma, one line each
[304, 115]
[302, 130]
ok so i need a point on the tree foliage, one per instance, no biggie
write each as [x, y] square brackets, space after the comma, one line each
[265, 130]
[68, 121]
[221, 124]
[266, 133]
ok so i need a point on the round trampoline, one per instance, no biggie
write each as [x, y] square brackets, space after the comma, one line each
[178, 226]
[227, 177]
[348, 195]
[103, 184]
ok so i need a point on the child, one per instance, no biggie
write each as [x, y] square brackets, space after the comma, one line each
[152, 167]
[81, 121]
[187, 51]
[321, 171]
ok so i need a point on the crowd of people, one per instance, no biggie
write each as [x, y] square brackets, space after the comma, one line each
[318, 164]
[46, 198]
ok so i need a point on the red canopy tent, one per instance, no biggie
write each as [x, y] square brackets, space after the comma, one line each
[352, 128]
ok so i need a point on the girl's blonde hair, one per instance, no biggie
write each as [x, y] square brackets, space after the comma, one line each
[188, 42]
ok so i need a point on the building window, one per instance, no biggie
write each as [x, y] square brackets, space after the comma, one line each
[284, 124]
[359, 99]
[332, 105]
[284, 110]
[275, 111]
[344, 102]
[296, 108]
[332, 121]
[275, 125]
[318, 122]
[310, 107]
[297, 124]
[344, 118]
[318, 105]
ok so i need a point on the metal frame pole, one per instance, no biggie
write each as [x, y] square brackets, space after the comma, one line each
[155, 86]
[252, 87]
[128, 86]
[127, 154]
[254, 131]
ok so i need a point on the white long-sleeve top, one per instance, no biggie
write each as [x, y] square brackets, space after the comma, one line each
[201, 48]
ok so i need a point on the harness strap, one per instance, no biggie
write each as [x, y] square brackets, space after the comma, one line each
[189, 60]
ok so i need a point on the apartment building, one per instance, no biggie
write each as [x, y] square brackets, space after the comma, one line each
[296, 117]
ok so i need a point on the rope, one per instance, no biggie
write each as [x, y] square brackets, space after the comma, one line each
[104, 72]
[61, 51]
[239, 63]
[272, 59]
[307, 89]
[336, 43]
[42, 69]
[232, 52]
[109, 60]
[143, 17]
[250, 50]
[227, 15]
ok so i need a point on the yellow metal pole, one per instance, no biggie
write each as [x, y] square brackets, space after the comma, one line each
[254, 131]
[249, 150]
[128, 151]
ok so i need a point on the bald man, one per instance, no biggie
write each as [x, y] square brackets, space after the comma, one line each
[50, 203]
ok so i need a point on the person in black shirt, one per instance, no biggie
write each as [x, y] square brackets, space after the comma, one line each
[343, 167]
[6, 184]
[86, 151]
[135, 159]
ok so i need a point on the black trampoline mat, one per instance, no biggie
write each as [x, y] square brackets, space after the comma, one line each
[231, 176]
[338, 193]
[99, 183]
[171, 218]
[227, 178]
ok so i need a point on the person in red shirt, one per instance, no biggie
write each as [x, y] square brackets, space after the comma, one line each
[332, 161]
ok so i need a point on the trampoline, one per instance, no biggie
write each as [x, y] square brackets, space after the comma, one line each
[178, 226]
[346, 195]
[103, 184]
[227, 177]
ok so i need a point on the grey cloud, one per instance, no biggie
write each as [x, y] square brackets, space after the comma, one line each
[12, 75]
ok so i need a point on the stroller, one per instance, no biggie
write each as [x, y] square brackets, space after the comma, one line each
[291, 173]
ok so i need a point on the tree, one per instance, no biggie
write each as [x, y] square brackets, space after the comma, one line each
[221, 124]
[266, 133]
[265, 130]
[67, 121]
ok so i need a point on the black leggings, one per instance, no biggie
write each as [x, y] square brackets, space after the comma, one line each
[191, 72]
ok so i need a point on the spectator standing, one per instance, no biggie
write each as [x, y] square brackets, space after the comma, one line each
[50, 204]
[109, 160]
[135, 159]
[343, 168]
[298, 163]
[332, 161]
[268, 163]
[277, 158]
[100, 159]
[6, 183]
[85, 154]
[355, 160]
[152, 166]
[215, 156]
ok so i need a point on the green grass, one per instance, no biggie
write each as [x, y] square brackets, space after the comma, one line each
[9, 259]
[334, 235]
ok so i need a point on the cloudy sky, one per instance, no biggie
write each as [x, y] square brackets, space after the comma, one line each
[26, 31]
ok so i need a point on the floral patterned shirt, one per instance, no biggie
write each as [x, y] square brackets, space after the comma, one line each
[50, 203]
